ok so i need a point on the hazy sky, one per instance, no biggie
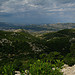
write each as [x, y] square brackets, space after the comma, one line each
[37, 11]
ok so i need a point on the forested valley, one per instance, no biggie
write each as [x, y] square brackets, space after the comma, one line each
[42, 55]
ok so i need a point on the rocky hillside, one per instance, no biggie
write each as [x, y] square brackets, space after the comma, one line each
[20, 50]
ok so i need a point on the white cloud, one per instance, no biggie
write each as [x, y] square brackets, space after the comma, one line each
[71, 5]
[24, 5]
[60, 9]
[13, 6]
[51, 14]
[16, 6]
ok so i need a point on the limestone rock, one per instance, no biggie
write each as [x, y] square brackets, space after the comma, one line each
[67, 70]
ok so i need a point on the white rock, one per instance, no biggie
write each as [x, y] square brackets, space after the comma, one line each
[17, 73]
[68, 70]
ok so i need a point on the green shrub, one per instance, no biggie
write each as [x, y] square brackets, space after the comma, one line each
[59, 63]
[69, 59]
[8, 70]
[17, 64]
[72, 49]
[26, 64]
[51, 57]
[43, 68]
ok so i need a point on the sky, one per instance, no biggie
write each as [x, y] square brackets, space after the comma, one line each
[37, 11]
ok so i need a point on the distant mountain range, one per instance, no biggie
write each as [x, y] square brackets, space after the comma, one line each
[35, 27]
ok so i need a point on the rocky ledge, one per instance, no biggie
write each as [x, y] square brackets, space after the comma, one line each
[67, 70]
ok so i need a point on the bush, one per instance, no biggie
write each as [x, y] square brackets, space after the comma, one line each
[43, 68]
[26, 64]
[51, 57]
[72, 49]
[17, 64]
[69, 59]
[8, 70]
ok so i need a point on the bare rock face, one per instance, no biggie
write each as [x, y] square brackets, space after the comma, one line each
[67, 70]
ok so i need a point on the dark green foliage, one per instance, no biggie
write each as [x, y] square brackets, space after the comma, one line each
[17, 64]
[20, 49]
[68, 32]
[69, 59]
[26, 64]
[43, 68]
[72, 49]
[52, 35]
[51, 57]
[61, 45]
[13, 43]
[8, 70]
[60, 41]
